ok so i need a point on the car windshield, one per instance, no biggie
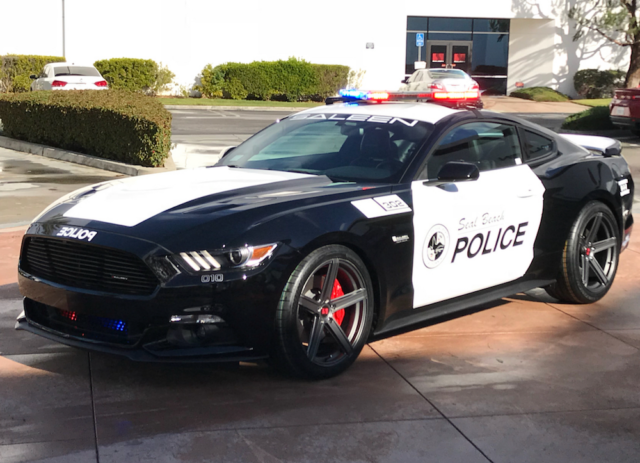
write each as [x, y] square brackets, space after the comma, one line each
[61, 71]
[447, 74]
[344, 147]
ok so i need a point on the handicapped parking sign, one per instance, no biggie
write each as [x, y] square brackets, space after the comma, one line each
[420, 39]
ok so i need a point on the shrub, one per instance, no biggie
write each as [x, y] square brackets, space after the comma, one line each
[290, 80]
[593, 83]
[135, 75]
[16, 69]
[113, 124]
[596, 118]
[164, 78]
[539, 94]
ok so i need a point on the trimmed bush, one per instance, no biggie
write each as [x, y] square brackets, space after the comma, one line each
[593, 83]
[16, 69]
[539, 94]
[596, 118]
[113, 124]
[135, 75]
[290, 80]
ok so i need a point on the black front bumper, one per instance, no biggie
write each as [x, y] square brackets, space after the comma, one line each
[247, 311]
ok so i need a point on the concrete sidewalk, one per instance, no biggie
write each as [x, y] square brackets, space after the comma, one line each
[526, 380]
[504, 104]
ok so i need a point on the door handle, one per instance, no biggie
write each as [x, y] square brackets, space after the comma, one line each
[525, 193]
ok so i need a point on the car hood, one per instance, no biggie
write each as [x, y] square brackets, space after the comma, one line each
[165, 208]
[131, 201]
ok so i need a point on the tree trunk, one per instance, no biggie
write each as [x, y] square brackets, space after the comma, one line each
[633, 74]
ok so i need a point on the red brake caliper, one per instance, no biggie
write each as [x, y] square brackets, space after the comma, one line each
[337, 292]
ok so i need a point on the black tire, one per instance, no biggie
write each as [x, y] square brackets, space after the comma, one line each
[590, 257]
[312, 338]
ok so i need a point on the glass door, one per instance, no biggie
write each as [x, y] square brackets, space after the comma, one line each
[450, 55]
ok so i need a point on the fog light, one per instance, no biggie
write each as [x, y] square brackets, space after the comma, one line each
[197, 319]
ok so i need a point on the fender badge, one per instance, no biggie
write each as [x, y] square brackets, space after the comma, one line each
[400, 239]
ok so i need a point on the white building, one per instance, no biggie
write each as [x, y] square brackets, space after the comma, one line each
[500, 42]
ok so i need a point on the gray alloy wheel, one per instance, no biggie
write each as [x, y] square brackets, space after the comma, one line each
[325, 314]
[590, 257]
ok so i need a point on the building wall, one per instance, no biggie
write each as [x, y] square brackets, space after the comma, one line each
[188, 34]
[531, 53]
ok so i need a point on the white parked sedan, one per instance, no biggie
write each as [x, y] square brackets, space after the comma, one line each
[449, 80]
[68, 76]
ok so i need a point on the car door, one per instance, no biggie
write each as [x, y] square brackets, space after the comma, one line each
[43, 82]
[474, 235]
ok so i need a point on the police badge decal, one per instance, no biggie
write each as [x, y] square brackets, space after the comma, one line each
[435, 246]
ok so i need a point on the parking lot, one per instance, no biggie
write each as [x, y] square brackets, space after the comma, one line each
[524, 379]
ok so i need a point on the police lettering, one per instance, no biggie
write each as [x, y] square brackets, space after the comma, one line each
[490, 241]
[79, 233]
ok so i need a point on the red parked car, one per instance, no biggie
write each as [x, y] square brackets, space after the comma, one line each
[624, 109]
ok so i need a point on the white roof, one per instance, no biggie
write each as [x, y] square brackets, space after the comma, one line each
[426, 112]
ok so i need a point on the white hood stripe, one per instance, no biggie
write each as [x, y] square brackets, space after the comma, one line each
[134, 200]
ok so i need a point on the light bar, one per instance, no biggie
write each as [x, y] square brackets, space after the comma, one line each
[411, 96]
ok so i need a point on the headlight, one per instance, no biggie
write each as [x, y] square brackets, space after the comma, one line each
[238, 258]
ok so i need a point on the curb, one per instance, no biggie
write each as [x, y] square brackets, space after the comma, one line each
[238, 108]
[79, 158]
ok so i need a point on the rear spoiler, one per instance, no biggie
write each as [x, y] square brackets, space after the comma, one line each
[605, 146]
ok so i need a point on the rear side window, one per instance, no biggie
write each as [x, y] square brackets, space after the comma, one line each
[488, 145]
[537, 145]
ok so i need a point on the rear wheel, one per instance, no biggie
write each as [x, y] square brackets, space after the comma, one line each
[324, 315]
[590, 257]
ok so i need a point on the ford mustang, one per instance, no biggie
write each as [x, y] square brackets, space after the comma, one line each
[334, 226]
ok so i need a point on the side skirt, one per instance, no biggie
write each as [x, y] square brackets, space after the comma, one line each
[401, 321]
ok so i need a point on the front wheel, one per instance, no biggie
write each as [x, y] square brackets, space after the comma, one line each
[324, 315]
[590, 257]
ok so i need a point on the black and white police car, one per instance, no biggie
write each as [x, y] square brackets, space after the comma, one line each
[331, 227]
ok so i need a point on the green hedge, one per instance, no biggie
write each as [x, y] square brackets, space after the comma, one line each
[539, 94]
[596, 118]
[16, 69]
[113, 124]
[290, 80]
[135, 75]
[593, 83]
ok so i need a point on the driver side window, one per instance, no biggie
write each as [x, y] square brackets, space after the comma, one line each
[488, 145]
[43, 74]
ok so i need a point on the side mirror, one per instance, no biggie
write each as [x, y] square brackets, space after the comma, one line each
[33, 77]
[227, 151]
[405, 80]
[456, 171]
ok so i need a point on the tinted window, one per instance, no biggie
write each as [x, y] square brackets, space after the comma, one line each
[490, 25]
[416, 23]
[488, 145]
[76, 71]
[376, 150]
[537, 145]
[448, 36]
[490, 54]
[450, 24]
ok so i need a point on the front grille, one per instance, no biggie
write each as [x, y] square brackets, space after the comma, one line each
[82, 265]
[83, 325]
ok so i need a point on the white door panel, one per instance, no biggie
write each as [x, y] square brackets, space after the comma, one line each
[474, 235]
